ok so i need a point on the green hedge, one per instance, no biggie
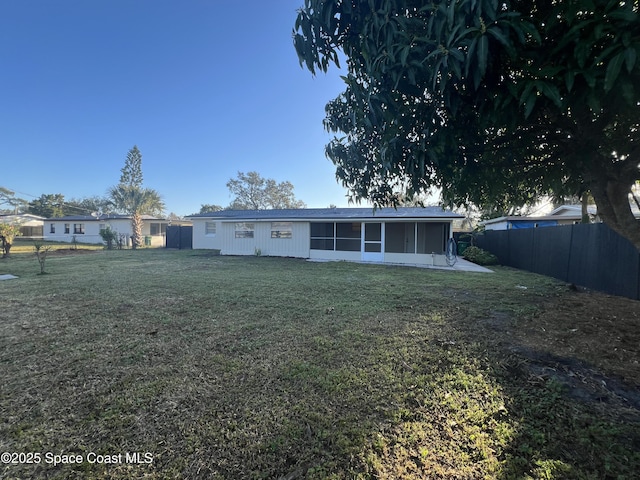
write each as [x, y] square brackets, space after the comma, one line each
[480, 256]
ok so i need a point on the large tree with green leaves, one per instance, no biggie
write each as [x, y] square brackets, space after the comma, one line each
[210, 207]
[48, 205]
[131, 173]
[496, 103]
[129, 197]
[88, 205]
[253, 192]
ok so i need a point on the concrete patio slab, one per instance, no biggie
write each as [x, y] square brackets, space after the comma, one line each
[461, 265]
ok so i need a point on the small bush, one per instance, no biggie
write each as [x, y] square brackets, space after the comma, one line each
[109, 237]
[480, 256]
[41, 253]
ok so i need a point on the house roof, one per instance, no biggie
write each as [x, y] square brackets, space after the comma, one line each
[9, 217]
[572, 210]
[99, 218]
[331, 214]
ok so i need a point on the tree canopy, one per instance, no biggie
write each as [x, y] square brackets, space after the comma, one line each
[133, 200]
[88, 205]
[253, 192]
[210, 207]
[495, 103]
[131, 173]
[9, 203]
[48, 205]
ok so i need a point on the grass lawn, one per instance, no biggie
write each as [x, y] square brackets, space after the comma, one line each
[256, 367]
[26, 245]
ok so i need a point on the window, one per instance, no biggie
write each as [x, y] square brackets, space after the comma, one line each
[430, 238]
[158, 229]
[415, 237]
[336, 236]
[244, 230]
[281, 230]
[52, 228]
[323, 236]
[66, 228]
[210, 228]
[78, 228]
[400, 237]
[348, 237]
[102, 227]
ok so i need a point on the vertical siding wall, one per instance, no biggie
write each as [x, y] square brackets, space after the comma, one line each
[226, 241]
[589, 255]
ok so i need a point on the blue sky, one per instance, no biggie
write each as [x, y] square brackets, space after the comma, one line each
[205, 88]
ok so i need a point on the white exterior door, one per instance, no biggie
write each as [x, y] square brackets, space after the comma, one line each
[372, 242]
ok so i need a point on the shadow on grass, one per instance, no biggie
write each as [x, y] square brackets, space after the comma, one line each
[429, 400]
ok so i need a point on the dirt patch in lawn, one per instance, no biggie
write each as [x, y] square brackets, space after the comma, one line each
[586, 342]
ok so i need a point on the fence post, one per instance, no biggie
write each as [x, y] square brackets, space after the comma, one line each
[566, 276]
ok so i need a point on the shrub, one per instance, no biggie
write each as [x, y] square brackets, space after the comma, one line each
[109, 237]
[480, 256]
[7, 234]
[41, 253]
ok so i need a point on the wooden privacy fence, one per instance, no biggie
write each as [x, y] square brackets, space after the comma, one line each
[589, 255]
[179, 236]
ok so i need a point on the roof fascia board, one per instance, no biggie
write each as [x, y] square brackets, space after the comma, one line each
[332, 219]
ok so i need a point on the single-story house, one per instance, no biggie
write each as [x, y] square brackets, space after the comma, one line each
[405, 235]
[86, 228]
[31, 226]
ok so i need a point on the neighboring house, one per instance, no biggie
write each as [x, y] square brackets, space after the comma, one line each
[86, 228]
[574, 212]
[403, 235]
[564, 215]
[31, 226]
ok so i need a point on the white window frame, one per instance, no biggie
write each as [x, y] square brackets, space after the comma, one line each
[282, 230]
[208, 231]
[159, 227]
[244, 230]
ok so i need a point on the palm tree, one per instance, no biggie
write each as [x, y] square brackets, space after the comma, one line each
[135, 201]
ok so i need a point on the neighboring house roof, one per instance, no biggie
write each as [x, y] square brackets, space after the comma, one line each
[99, 218]
[330, 214]
[576, 210]
[573, 210]
[564, 212]
[16, 217]
[516, 218]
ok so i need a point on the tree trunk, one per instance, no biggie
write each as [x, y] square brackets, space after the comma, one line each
[584, 202]
[6, 246]
[612, 198]
[136, 230]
